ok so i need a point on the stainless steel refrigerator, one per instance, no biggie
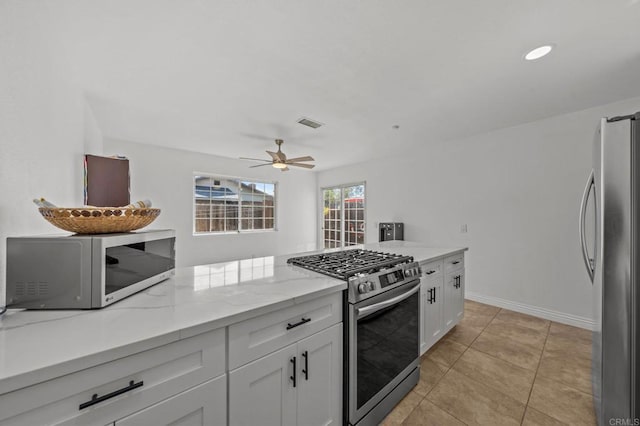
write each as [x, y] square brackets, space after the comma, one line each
[611, 250]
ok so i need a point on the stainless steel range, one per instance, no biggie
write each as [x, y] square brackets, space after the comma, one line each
[382, 340]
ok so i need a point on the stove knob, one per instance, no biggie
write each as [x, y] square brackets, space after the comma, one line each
[408, 273]
[370, 286]
[362, 288]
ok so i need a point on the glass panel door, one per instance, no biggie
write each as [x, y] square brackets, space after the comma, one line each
[343, 215]
[332, 217]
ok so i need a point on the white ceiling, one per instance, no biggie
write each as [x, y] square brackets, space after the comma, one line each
[227, 76]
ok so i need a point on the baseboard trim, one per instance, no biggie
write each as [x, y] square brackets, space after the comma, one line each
[549, 314]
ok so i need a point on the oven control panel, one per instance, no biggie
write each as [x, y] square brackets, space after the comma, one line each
[363, 286]
[391, 278]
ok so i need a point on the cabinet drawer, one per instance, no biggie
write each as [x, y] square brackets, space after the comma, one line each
[145, 378]
[432, 269]
[256, 337]
[454, 262]
[206, 404]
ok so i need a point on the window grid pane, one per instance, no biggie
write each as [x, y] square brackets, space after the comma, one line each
[343, 215]
[232, 205]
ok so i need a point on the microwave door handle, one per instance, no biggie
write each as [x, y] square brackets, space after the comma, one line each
[372, 309]
[583, 210]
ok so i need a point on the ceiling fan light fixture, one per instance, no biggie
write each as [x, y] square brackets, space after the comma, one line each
[280, 165]
[539, 52]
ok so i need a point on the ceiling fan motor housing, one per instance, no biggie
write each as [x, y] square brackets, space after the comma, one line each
[279, 159]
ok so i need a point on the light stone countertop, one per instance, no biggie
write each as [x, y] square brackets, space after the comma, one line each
[40, 345]
[420, 252]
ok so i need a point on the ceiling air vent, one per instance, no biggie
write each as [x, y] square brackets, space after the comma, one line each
[309, 123]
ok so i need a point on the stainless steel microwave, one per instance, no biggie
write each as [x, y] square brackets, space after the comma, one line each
[85, 271]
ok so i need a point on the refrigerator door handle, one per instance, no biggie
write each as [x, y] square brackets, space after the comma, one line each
[589, 263]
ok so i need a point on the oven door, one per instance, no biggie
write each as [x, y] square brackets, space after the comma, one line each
[384, 346]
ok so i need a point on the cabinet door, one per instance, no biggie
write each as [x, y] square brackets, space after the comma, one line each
[453, 298]
[320, 378]
[433, 309]
[262, 392]
[202, 405]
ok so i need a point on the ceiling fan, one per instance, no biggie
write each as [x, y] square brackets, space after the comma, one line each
[279, 160]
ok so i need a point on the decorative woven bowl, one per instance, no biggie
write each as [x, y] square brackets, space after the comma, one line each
[99, 220]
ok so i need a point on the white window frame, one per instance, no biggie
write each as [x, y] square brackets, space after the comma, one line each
[238, 180]
[342, 215]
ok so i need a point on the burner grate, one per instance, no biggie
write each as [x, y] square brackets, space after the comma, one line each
[345, 264]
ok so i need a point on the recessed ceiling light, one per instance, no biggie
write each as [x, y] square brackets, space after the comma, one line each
[538, 52]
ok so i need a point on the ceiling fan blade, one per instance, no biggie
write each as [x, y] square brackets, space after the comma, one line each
[306, 166]
[255, 159]
[295, 160]
[276, 156]
[260, 165]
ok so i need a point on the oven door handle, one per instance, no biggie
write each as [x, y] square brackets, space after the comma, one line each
[368, 310]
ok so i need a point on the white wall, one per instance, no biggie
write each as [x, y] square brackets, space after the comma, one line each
[93, 138]
[165, 176]
[41, 123]
[518, 190]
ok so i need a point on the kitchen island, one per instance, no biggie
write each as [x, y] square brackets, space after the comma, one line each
[188, 336]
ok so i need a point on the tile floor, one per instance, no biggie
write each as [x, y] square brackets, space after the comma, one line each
[499, 367]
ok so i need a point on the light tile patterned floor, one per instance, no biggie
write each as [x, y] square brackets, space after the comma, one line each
[499, 367]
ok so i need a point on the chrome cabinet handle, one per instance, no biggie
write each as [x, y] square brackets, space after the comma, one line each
[433, 271]
[455, 262]
[583, 210]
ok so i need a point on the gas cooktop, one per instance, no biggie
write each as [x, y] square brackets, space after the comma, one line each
[347, 263]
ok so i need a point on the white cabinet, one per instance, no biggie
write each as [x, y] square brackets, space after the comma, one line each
[259, 336]
[113, 390]
[442, 298]
[298, 384]
[261, 392]
[320, 384]
[453, 291]
[431, 304]
[203, 405]
[432, 327]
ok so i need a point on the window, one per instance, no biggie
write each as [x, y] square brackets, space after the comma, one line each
[343, 219]
[232, 205]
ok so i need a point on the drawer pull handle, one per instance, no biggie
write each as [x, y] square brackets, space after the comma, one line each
[305, 370]
[433, 271]
[293, 361]
[455, 262]
[302, 321]
[95, 399]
